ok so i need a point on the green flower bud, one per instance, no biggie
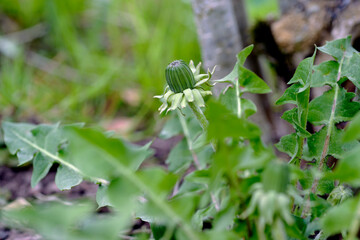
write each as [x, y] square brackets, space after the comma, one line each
[179, 76]
[276, 177]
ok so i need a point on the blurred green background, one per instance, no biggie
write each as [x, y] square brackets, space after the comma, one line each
[94, 61]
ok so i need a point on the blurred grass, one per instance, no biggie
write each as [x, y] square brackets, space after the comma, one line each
[261, 9]
[94, 52]
[95, 60]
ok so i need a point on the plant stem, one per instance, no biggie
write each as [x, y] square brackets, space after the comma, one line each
[201, 119]
[194, 156]
[199, 115]
[329, 130]
[238, 100]
[188, 138]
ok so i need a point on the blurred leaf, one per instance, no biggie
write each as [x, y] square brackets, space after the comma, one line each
[348, 169]
[179, 158]
[25, 140]
[66, 178]
[223, 123]
[171, 128]
[59, 221]
[352, 131]
[103, 155]
[288, 144]
[228, 99]
[340, 218]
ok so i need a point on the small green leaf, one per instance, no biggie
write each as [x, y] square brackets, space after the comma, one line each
[338, 48]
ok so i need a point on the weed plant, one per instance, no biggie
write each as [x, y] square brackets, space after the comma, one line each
[220, 181]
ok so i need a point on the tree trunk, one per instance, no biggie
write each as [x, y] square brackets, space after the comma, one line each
[218, 35]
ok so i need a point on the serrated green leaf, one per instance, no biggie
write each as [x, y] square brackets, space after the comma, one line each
[351, 69]
[223, 123]
[338, 48]
[66, 178]
[320, 108]
[288, 144]
[44, 140]
[325, 74]
[337, 149]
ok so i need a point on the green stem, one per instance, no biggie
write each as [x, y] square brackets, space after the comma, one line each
[201, 119]
[188, 138]
[186, 131]
[238, 99]
[329, 130]
[199, 115]
[303, 111]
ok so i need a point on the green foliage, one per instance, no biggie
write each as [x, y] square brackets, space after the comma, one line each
[88, 56]
[220, 181]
